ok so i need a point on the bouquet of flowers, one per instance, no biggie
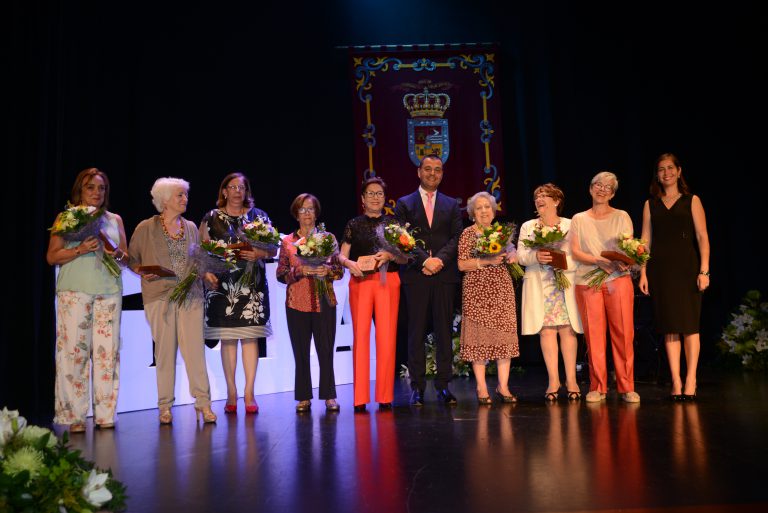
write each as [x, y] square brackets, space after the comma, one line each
[746, 336]
[397, 240]
[259, 233]
[77, 223]
[631, 251]
[496, 238]
[209, 257]
[314, 250]
[550, 238]
[39, 473]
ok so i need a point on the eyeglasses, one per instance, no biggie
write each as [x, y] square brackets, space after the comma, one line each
[603, 186]
[236, 187]
[306, 210]
[375, 194]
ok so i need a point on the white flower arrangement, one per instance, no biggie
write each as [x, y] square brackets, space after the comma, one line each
[39, 473]
[745, 338]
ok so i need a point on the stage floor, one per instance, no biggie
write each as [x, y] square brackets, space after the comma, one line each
[656, 456]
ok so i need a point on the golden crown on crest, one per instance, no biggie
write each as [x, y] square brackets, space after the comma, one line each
[426, 104]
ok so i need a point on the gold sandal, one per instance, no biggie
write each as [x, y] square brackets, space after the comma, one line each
[165, 416]
[208, 416]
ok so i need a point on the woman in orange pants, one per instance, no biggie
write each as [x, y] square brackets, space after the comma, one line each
[611, 303]
[374, 291]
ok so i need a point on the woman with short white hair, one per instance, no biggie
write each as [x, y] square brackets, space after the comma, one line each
[164, 240]
[489, 318]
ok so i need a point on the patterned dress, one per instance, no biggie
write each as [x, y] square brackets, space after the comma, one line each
[236, 310]
[489, 318]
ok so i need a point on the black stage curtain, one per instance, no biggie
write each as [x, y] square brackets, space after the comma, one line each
[196, 90]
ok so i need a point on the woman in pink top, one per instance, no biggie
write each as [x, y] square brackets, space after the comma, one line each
[592, 232]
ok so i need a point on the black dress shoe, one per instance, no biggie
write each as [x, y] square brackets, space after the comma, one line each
[360, 408]
[446, 396]
[417, 397]
[385, 406]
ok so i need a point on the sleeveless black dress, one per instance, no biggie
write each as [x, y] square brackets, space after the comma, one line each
[674, 267]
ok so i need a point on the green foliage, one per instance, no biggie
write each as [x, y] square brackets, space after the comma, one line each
[40, 474]
[461, 368]
[745, 338]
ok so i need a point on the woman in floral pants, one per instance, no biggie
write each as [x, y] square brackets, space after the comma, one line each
[88, 309]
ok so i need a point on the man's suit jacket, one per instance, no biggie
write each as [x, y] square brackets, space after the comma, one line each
[442, 238]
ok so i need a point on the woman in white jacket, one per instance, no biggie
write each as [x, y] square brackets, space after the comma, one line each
[546, 310]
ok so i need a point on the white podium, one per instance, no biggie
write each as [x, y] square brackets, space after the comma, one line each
[276, 371]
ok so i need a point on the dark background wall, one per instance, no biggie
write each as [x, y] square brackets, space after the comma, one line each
[197, 89]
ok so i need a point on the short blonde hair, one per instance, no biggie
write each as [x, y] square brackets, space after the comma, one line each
[606, 176]
[471, 203]
[163, 189]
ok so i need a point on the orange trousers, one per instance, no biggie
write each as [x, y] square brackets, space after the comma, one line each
[368, 296]
[611, 304]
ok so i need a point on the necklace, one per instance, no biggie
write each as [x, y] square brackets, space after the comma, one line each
[177, 236]
[240, 212]
[543, 224]
[670, 201]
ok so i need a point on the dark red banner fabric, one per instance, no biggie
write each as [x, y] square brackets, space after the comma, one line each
[411, 102]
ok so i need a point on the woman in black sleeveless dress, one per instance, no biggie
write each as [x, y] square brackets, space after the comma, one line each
[675, 227]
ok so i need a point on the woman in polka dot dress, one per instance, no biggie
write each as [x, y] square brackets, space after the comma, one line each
[489, 319]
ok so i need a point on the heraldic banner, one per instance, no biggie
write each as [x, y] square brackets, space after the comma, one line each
[410, 102]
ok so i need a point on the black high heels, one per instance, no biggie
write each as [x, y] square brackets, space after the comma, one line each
[511, 398]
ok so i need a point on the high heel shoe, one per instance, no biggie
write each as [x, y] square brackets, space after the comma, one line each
[332, 405]
[165, 416]
[511, 398]
[232, 408]
[689, 397]
[550, 397]
[252, 408]
[484, 401]
[303, 406]
[207, 415]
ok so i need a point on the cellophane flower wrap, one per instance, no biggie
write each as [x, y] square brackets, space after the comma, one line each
[38, 473]
[636, 249]
[397, 239]
[260, 234]
[210, 256]
[545, 237]
[78, 222]
[315, 250]
[496, 239]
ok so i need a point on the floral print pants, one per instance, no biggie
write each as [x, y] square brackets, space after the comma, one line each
[87, 329]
